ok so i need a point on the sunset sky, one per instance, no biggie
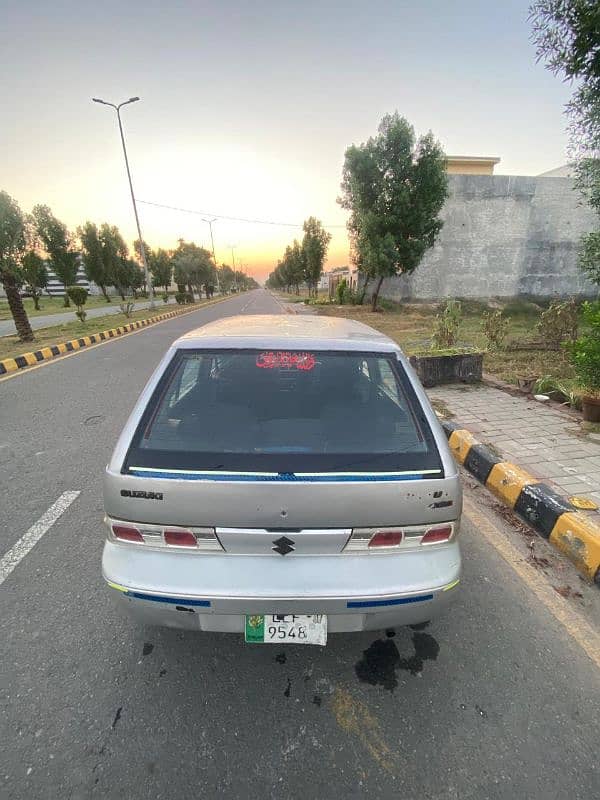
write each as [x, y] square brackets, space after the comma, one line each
[247, 107]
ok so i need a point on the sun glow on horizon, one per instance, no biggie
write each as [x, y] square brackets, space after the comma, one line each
[205, 177]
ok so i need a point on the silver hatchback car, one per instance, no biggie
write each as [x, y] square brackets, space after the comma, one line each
[283, 477]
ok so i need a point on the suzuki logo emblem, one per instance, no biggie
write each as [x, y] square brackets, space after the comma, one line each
[283, 546]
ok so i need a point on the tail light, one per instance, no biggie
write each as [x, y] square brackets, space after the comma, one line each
[202, 539]
[409, 536]
[127, 533]
[437, 535]
[180, 538]
[386, 539]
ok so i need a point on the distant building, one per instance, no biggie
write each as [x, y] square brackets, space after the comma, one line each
[56, 288]
[471, 165]
[335, 277]
[323, 281]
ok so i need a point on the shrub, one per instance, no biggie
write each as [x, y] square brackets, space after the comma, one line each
[165, 297]
[189, 297]
[180, 298]
[78, 295]
[559, 323]
[340, 291]
[495, 327]
[446, 326]
[585, 351]
[127, 308]
[344, 294]
[564, 390]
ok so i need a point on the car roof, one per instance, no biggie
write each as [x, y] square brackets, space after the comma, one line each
[286, 331]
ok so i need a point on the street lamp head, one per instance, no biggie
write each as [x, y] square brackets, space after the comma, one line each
[97, 100]
[133, 99]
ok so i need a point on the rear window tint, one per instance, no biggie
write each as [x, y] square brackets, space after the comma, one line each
[283, 411]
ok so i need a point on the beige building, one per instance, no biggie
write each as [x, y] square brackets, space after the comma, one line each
[471, 165]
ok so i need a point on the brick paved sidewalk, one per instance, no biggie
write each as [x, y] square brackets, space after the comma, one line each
[540, 438]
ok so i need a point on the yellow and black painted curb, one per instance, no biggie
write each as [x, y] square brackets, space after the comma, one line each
[45, 353]
[551, 515]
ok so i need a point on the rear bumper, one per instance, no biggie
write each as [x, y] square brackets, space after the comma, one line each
[214, 592]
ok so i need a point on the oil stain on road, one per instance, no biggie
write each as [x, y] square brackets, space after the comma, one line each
[382, 659]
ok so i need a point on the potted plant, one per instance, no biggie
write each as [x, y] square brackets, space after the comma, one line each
[445, 361]
[585, 357]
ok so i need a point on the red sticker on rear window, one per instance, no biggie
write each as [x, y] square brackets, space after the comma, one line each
[286, 360]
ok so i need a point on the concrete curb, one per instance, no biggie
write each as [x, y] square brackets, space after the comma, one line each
[46, 353]
[549, 514]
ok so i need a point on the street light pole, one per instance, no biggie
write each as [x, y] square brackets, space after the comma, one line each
[147, 277]
[212, 241]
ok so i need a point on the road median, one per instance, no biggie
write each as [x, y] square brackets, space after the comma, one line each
[55, 350]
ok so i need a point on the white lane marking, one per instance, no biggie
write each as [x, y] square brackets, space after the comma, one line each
[20, 549]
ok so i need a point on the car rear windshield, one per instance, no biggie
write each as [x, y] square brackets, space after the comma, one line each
[285, 412]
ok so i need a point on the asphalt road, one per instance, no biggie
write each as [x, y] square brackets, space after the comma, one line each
[496, 700]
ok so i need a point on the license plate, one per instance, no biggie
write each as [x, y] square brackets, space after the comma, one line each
[286, 628]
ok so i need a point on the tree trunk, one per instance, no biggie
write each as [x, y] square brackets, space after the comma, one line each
[363, 291]
[36, 299]
[15, 303]
[105, 293]
[376, 294]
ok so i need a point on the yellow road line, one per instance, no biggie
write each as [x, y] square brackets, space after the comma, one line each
[576, 626]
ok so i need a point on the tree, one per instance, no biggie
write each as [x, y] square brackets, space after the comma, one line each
[138, 251]
[161, 267]
[57, 243]
[226, 278]
[192, 266]
[295, 256]
[394, 187]
[567, 37]
[314, 249]
[12, 247]
[34, 275]
[79, 296]
[115, 257]
[135, 276]
[93, 260]
[589, 256]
